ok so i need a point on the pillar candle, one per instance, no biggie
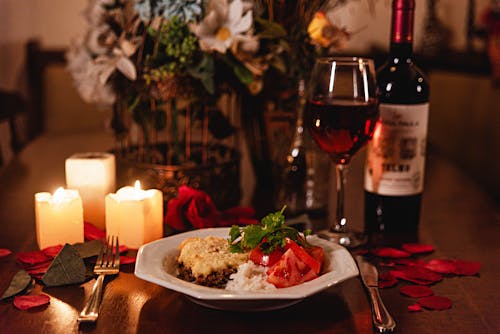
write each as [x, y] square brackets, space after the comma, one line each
[93, 175]
[135, 215]
[59, 218]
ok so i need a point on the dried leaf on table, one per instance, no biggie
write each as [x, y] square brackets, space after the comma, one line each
[88, 249]
[19, 283]
[67, 268]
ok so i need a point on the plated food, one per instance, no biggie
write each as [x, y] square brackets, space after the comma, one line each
[157, 263]
[265, 256]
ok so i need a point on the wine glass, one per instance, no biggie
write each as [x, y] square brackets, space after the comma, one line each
[341, 113]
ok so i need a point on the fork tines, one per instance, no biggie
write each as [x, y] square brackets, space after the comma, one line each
[109, 256]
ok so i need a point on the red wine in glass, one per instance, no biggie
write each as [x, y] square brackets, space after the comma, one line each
[341, 127]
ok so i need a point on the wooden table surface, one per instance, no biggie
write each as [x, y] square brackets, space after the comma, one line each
[458, 218]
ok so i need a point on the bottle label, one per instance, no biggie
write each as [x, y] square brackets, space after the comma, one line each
[396, 154]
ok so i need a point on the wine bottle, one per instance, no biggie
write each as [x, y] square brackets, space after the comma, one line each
[394, 170]
[304, 188]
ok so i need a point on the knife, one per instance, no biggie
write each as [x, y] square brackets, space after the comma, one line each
[382, 320]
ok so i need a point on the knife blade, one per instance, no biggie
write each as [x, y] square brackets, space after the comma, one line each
[382, 320]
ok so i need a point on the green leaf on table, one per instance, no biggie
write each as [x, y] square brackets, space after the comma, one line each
[20, 282]
[67, 268]
[88, 249]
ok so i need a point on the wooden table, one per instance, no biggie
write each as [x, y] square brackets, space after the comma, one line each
[458, 218]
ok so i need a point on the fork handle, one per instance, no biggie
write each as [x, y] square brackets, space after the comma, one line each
[382, 320]
[90, 312]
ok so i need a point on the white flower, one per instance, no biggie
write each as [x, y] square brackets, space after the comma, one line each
[223, 25]
[86, 76]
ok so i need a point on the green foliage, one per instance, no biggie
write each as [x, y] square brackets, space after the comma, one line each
[269, 235]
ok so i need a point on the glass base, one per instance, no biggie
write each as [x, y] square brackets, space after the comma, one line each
[348, 239]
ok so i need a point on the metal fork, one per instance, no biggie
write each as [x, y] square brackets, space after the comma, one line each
[108, 263]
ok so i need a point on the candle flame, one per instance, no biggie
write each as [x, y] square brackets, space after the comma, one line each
[137, 185]
[58, 194]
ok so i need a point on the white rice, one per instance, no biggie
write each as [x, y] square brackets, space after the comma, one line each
[249, 277]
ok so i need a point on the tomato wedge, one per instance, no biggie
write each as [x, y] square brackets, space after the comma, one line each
[312, 261]
[258, 257]
[290, 270]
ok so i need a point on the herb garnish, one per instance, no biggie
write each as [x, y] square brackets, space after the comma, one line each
[270, 234]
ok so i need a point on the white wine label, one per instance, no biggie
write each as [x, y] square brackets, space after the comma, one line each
[396, 153]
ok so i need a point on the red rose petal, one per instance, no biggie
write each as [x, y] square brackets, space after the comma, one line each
[29, 302]
[38, 269]
[32, 258]
[127, 259]
[386, 280]
[122, 249]
[441, 266]
[457, 267]
[435, 302]
[52, 251]
[416, 291]
[4, 252]
[91, 232]
[417, 248]
[410, 262]
[414, 307]
[390, 252]
[417, 275]
[466, 268]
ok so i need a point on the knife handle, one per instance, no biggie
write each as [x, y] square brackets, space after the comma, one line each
[382, 320]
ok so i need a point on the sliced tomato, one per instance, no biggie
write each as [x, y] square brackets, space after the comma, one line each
[290, 270]
[317, 252]
[302, 254]
[258, 257]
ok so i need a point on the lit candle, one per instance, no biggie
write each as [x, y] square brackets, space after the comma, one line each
[135, 215]
[93, 175]
[59, 218]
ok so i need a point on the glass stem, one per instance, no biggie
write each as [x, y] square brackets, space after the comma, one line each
[340, 219]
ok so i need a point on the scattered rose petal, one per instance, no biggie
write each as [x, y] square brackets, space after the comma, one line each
[410, 262]
[441, 266]
[390, 252]
[417, 275]
[32, 258]
[4, 252]
[92, 232]
[29, 302]
[52, 251]
[416, 291]
[38, 270]
[386, 280]
[457, 267]
[414, 307]
[435, 302]
[417, 248]
[466, 268]
[127, 259]
[123, 249]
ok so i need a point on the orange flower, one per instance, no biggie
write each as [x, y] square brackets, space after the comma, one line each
[324, 33]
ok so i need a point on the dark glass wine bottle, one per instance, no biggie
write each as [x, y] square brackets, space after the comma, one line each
[394, 170]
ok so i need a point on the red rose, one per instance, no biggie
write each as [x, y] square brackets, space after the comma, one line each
[194, 209]
[201, 211]
[191, 208]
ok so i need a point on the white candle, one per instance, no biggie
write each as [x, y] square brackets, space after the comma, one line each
[59, 218]
[135, 215]
[93, 175]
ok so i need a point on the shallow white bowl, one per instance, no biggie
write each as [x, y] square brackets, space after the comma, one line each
[156, 263]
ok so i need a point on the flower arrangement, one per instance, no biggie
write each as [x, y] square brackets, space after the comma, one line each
[171, 48]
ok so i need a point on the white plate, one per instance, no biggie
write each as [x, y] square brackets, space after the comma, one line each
[156, 263]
